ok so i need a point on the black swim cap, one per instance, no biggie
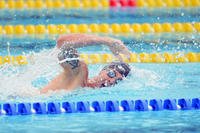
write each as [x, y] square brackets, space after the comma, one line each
[69, 53]
[121, 67]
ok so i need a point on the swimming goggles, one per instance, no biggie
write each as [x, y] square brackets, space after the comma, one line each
[111, 73]
[67, 59]
[112, 69]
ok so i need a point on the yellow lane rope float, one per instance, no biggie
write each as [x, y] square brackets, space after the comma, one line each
[106, 58]
[15, 60]
[114, 28]
[40, 4]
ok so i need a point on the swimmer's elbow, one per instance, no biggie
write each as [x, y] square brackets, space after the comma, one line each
[44, 90]
[60, 41]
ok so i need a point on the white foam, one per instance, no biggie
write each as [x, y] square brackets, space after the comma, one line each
[17, 81]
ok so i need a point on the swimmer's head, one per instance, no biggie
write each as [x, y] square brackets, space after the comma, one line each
[114, 72]
[68, 57]
[121, 67]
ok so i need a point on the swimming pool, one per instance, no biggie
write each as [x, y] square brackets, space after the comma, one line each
[147, 80]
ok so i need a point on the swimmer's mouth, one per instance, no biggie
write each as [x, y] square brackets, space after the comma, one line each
[67, 59]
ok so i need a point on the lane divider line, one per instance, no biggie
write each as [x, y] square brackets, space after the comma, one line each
[11, 109]
[104, 28]
[85, 4]
[106, 58]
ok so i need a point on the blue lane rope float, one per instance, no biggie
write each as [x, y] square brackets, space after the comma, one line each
[99, 106]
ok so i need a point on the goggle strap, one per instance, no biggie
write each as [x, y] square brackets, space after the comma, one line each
[68, 59]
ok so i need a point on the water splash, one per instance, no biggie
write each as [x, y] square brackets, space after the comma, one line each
[22, 83]
[18, 81]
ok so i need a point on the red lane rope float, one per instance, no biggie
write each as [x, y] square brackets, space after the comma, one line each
[154, 3]
[68, 4]
[123, 3]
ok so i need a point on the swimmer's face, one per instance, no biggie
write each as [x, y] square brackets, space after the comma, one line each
[114, 72]
[109, 77]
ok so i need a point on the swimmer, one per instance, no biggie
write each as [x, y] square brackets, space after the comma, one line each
[75, 71]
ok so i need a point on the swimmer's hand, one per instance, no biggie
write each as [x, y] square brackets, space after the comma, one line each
[117, 48]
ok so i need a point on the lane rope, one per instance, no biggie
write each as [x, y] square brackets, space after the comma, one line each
[14, 60]
[99, 106]
[114, 28]
[106, 58]
[85, 4]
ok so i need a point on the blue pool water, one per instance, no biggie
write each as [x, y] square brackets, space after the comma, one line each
[158, 122]
[126, 15]
[146, 81]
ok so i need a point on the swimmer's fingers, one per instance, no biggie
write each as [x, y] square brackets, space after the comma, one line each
[121, 49]
[126, 53]
[118, 57]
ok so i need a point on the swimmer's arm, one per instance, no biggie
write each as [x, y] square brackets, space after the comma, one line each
[44, 90]
[81, 40]
[94, 83]
[53, 85]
